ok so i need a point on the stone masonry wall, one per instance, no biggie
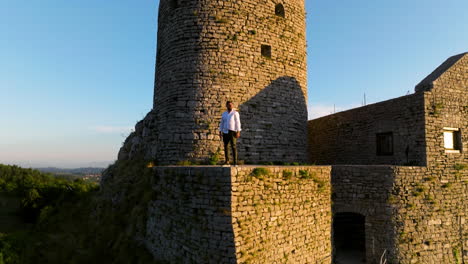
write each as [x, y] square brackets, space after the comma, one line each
[210, 51]
[241, 214]
[349, 137]
[431, 214]
[452, 74]
[416, 214]
[365, 190]
[444, 183]
[190, 219]
[282, 214]
[446, 105]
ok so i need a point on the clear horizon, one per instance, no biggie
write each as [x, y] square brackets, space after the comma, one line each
[78, 75]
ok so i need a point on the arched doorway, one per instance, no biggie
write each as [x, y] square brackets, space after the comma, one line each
[349, 238]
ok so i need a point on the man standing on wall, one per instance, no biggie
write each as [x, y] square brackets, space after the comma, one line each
[229, 130]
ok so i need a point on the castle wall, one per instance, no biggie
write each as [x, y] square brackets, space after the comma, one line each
[282, 217]
[431, 214]
[240, 214]
[446, 107]
[350, 137]
[450, 74]
[416, 214]
[433, 222]
[365, 190]
[189, 220]
[209, 52]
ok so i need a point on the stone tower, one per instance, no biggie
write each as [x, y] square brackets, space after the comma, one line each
[251, 52]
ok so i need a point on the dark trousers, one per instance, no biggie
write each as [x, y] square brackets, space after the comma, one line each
[230, 139]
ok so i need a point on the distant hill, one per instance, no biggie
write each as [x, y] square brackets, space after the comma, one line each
[77, 171]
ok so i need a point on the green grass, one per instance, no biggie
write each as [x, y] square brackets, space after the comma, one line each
[446, 185]
[456, 255]
[184, 163]
[259, 172]
[419, 190]
[437, 109]
[215, 157]
[287, 174]
[460, 166]
[304, 174]
[221, 20]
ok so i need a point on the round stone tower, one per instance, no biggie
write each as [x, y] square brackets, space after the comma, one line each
[251, 52]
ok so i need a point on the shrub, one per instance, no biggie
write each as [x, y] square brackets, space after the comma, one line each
[418, 190]
[460, 166]
[304, 174]
[259, 172]
[436, 109]
[287, 174]
[221, 20]
[214, 159]
[446, 185]
[321, 184]
[38, 190]
[74, 224]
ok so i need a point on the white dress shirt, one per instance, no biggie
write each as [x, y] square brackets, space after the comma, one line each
[230, 121]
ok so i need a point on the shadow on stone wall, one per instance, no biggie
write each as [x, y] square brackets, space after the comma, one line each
[366, 191]
[275, 124]
[189, 220]
[350, 137]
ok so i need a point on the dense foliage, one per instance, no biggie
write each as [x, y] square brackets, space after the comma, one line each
[39, 191]
[73, 221]
[41, 197]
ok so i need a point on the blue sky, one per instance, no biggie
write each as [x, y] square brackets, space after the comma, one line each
[76, 75]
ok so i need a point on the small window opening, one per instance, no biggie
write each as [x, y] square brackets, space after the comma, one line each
[279, 10]
[384, 144]
[452, 139]
[266, 51]
[174, 4]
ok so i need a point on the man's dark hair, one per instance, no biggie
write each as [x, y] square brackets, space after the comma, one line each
[228, 102]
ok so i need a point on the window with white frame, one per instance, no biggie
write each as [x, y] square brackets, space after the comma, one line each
[452, 139]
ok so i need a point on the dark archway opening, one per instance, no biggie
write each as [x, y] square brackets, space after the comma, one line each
[349, 238]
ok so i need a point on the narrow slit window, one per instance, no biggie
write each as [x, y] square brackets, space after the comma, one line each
[452, 139]
[384, 144]
[266, 51]
[158, 57]
[279, 10]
